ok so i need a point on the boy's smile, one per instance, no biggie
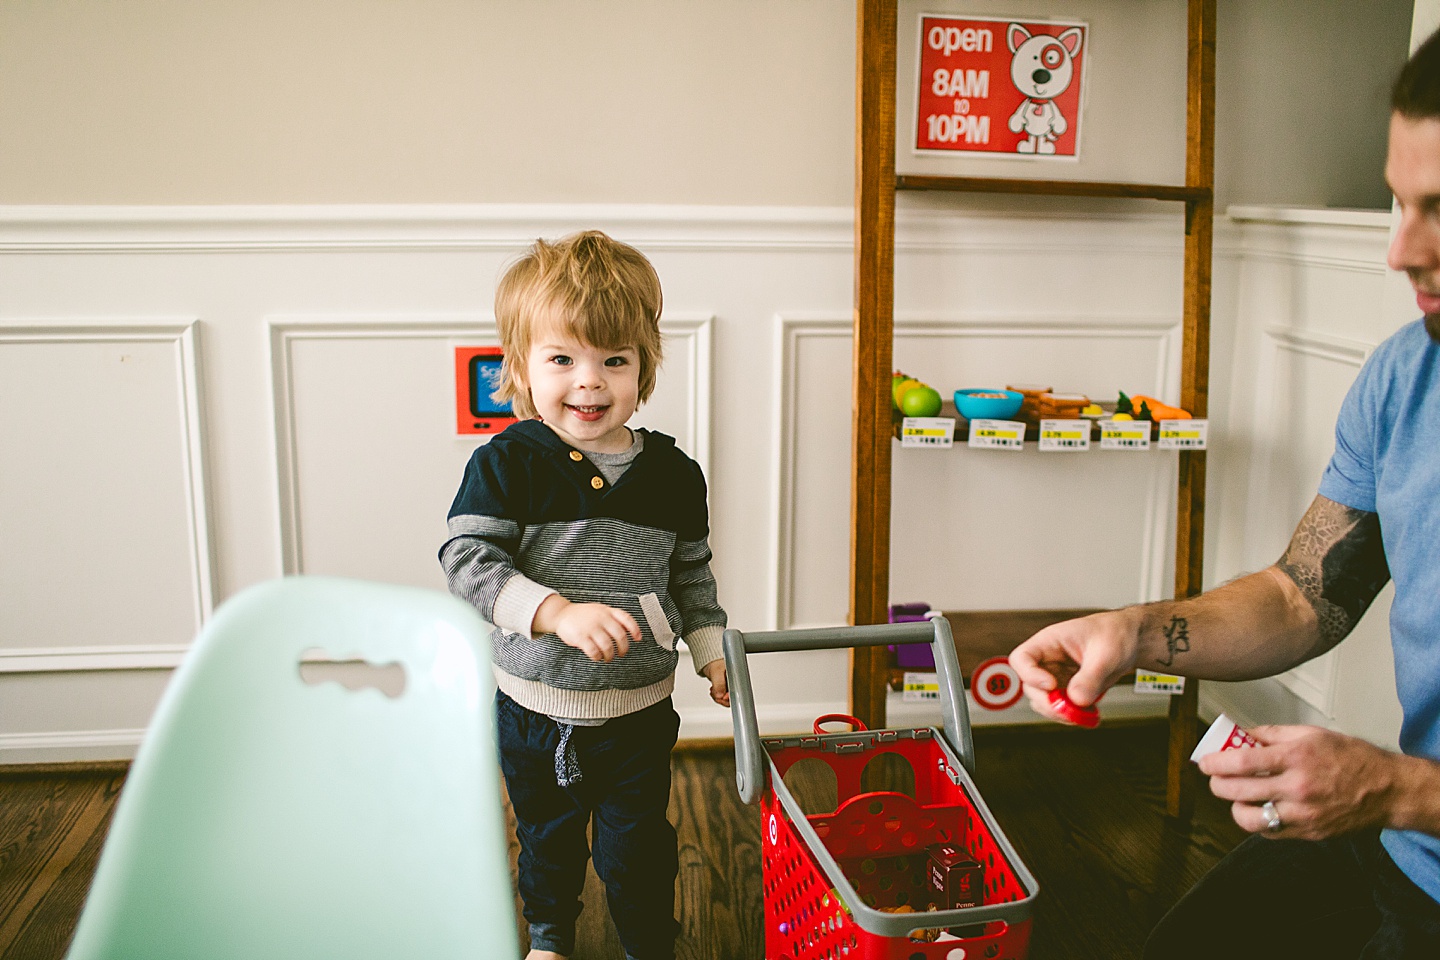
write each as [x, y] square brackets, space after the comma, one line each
[583, 392]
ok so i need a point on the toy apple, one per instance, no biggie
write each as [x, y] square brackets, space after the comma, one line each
[920, 401]
[900, 386]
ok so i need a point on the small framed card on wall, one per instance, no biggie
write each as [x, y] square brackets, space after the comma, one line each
[477, 374]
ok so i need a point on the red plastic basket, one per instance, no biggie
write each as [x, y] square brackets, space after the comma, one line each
[832, 879]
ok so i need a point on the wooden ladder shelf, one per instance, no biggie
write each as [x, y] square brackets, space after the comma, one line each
[875, 187]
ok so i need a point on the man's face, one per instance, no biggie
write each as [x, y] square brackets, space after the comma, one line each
[1413, 172]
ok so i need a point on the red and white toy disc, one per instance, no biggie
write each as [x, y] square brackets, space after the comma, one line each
[995, 685]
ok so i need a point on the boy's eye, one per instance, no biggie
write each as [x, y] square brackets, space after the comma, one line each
[561, 360]
[616, 361]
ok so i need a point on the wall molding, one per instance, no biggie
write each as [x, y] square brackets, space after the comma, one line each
[95, 658]
[70, 745]
[512, 227]
[183, 336]
[1342, 238]
[693, 335]
[690, 333]
[391, 227]
[792, 329]
[1353, 241]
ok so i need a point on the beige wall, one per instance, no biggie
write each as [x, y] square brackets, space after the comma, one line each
[384, 101]
[627, 101]
[1302, 100]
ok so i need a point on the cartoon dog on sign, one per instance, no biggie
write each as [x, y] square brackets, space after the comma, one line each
[1041, 68]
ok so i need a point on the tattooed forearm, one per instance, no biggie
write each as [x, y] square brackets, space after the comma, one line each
[1337, 559]
[1177, 639]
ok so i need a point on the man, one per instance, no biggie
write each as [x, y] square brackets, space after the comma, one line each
[1345, 857]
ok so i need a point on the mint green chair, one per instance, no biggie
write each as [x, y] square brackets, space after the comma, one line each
[265, 818]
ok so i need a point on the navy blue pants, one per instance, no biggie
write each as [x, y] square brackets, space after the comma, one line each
[1320, 900]
[625, 789]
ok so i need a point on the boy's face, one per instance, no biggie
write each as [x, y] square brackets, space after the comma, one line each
[584, 393]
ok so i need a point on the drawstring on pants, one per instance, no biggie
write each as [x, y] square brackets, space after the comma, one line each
[567, 765]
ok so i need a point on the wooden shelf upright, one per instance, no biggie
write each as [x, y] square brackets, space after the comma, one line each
[875, 187]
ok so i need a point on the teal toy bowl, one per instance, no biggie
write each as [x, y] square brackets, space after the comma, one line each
[984, 403]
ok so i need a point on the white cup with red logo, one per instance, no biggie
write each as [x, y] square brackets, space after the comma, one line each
[1222, 735]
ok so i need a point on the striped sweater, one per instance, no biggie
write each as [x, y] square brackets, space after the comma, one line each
[534, 517]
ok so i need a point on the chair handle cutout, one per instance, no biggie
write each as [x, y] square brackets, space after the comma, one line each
[353, 672]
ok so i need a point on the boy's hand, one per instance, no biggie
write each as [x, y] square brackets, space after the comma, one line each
[601, 632]
[719, 687]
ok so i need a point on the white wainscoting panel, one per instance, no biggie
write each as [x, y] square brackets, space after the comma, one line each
[106, 561]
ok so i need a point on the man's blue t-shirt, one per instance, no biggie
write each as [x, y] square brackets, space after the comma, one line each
[1387, 461]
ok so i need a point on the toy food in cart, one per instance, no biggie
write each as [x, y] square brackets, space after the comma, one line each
[1072, 712]
[956, 879]
[924, 935]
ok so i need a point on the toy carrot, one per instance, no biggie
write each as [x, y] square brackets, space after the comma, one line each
[1158, 410]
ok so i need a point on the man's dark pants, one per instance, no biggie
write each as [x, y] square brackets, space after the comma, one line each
[1317, 900]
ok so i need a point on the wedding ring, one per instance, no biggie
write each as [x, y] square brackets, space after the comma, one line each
[1271, 815]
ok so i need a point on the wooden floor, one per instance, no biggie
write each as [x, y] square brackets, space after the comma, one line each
[1084, 809]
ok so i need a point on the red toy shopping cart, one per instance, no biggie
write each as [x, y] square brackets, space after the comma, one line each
[922, 874]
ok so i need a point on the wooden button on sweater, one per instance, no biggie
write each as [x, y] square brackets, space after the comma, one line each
[597, 482]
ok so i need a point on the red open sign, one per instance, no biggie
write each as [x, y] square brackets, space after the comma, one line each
[1000, 87]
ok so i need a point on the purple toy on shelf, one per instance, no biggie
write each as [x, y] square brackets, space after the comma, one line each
[912, 656]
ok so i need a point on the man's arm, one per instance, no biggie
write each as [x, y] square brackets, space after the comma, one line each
[1290, 612]
[1337, 559]
[1255, 626]
[1321, 783]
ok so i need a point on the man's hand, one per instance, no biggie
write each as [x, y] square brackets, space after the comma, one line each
[1084, 657]
[601, 632]
[719, 686]
[1321, 783]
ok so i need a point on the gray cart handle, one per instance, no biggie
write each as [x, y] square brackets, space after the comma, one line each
[750, 758]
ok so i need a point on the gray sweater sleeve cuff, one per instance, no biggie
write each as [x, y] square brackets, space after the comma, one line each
[516, 605]
[705, 646]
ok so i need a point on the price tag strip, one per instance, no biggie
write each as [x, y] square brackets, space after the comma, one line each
[1162, 683]
[1183, 434]
[937, 432]
[1072, 435]
[1125, 434]
[919, 687]
[997, 434]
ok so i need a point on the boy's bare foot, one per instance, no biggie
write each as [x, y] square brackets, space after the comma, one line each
[543, 955]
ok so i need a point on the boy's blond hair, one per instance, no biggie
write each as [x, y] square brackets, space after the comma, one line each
[599, 290]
